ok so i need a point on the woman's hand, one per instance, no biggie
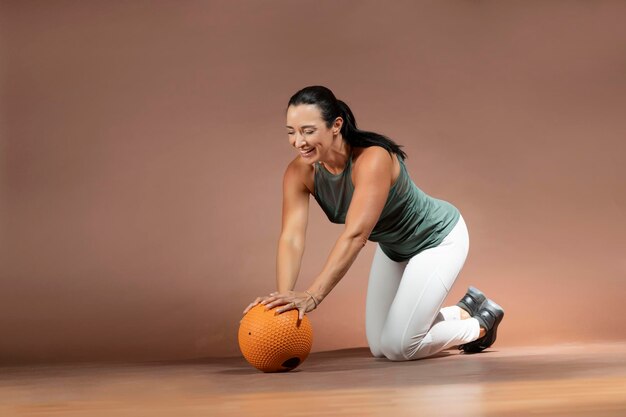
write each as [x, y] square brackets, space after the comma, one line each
[290, 300]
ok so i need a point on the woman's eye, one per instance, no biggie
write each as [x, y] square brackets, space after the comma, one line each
[309, 133]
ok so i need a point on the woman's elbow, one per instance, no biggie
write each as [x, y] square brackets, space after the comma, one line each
[292, 242]
[360, 237]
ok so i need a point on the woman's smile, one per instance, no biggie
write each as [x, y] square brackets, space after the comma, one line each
[307, 153]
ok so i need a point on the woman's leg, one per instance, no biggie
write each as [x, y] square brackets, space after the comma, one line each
[384, 279]
[449, 313]
[415, 326]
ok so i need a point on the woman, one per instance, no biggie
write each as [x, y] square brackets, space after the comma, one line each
[359, 178]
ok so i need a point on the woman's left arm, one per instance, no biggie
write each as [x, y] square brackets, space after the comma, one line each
[372, 182]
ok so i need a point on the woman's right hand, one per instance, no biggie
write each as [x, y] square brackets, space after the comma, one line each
[303, 302]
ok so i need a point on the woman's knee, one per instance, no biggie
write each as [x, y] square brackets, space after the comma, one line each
[397, 348]
[377, 353]
[393, 350]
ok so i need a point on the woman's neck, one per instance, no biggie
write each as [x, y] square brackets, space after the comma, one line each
[338, 158]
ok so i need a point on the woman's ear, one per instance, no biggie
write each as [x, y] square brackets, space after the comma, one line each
[337, 126]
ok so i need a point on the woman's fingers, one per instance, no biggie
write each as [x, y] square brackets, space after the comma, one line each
[249, 307]
[286, 307]
[252, 304]
[268, 300]
[284, 302]
[275, 302]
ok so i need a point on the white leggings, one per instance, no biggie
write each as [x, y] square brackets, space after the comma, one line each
[403, 316]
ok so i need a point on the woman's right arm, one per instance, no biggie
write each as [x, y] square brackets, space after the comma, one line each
[292, 236]
[295, 213]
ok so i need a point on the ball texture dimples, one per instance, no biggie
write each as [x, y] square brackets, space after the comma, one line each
[274, 342]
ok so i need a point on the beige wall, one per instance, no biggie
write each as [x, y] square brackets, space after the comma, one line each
[143, 149]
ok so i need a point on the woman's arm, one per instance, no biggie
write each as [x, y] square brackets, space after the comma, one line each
[372, 182]
[295, 214]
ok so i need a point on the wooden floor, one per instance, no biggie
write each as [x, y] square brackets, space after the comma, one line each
[565, 380]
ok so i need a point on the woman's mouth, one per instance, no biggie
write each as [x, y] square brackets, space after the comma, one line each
[307, 154]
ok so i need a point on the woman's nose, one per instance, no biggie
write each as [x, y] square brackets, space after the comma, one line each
[299, 140]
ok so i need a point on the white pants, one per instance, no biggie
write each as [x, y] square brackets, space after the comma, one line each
[403, 318]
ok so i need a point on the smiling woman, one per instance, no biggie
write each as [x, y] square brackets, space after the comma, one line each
[359, 179]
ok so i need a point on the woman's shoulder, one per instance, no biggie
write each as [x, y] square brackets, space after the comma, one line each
[376, 155]
[371, 153]
[301, 171]
[299, 165]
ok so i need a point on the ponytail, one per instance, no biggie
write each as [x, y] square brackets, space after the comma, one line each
[364, 138]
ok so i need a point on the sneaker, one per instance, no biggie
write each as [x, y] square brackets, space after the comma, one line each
[472, 300]
[489, 316]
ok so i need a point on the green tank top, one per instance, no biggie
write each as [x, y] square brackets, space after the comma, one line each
[410, 222]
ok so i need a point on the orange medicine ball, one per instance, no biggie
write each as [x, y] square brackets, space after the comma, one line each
[274, 342]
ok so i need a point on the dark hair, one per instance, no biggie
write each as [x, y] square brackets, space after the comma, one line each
[331, 108]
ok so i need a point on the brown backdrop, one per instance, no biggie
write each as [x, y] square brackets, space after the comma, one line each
[143, 148]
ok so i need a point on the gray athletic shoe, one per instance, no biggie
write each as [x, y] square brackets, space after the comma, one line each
[489, 316]
[472, 300]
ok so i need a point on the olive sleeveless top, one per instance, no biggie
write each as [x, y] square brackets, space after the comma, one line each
[410, 222]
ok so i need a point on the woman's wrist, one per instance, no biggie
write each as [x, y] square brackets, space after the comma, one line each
[315, 296]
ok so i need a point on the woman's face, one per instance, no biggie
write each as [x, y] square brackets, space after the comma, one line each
[308, 133]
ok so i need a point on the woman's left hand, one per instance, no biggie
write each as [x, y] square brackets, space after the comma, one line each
[291, 300]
